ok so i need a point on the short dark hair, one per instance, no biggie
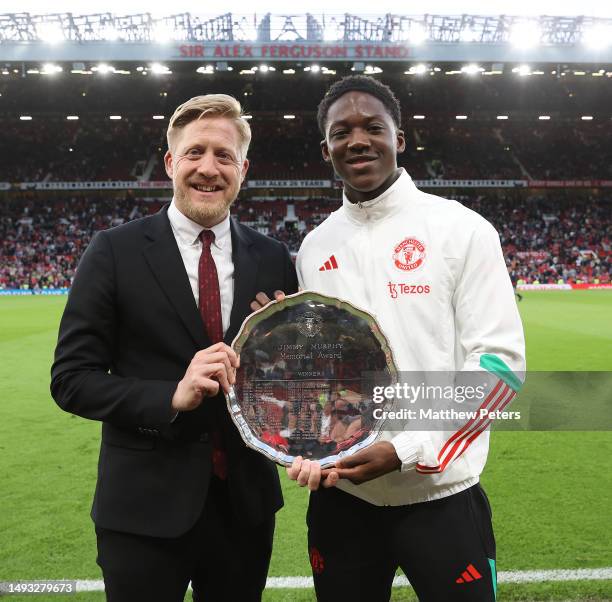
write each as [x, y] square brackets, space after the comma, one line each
[359, 83]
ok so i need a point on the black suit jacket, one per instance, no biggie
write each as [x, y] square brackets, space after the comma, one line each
[130, 328]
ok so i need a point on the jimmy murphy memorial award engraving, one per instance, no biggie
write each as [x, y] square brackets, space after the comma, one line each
[308, 366]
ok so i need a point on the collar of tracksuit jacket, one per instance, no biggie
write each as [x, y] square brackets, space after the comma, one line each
[388, 203]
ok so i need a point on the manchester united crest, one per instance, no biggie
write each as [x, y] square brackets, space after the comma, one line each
[409, 254]
[309, 324]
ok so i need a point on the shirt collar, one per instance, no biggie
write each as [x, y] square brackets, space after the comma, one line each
[387, 203]
[189, 231]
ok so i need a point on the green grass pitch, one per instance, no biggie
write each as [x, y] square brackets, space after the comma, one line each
[550, 491]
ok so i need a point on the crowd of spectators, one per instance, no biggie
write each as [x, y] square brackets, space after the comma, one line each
[52, 149]
[551, 239]
[41, 242]
[96, 148]
[550, 151]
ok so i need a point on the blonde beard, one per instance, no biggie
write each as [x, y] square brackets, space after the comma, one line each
[207, 215]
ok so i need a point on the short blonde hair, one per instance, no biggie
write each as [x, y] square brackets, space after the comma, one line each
[211, 105]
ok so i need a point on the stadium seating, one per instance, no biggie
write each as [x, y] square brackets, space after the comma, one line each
[48, 147]
[544, 240]
[556, 236]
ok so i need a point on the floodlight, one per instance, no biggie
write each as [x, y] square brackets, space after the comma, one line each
[525, 34]
[522, 70]
[161, 33]
[50, 32]
[103, 69]
[472, 69]
[417, 34]
[51, 69]
[597, 37]
[419, 69]
[159, 69]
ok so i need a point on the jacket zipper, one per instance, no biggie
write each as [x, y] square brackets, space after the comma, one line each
[368, 256]
[384, 489]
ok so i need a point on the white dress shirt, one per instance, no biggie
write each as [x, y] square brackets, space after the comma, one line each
[187, 235]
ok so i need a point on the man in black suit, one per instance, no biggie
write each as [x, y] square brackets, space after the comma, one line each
[143, 348]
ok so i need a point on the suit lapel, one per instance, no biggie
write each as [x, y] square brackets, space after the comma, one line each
[166, 263]
[246, 261]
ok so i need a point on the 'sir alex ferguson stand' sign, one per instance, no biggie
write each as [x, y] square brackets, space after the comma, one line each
[308, 366]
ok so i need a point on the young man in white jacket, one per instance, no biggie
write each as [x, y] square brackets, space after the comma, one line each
[432, 273]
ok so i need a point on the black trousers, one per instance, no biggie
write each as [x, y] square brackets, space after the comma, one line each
[222, 560]
[445, 547]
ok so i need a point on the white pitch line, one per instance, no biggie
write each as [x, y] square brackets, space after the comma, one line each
[555, 575]
[502, 577]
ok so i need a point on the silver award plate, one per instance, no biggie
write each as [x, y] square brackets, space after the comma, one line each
[308, 367]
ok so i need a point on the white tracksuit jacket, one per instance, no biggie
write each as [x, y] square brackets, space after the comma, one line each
[432, 273]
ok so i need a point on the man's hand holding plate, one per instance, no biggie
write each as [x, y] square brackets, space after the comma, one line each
[208, 370]
[261, 299]
[370, 463]
[309, 473]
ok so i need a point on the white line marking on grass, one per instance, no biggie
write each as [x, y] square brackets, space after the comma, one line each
[555, 575]
[502, 577]
[289, 583]
[83, 585]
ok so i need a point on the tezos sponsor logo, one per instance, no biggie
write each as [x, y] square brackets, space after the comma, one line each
[409, 254]
[399, 288]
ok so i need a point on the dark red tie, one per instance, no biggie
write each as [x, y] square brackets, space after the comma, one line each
[210, 310]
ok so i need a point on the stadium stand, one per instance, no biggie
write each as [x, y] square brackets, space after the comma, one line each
[544, 240]
[49, 148]
[548, 235]
[96, 148]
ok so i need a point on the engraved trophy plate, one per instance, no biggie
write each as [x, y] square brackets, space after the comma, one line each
[308, 366]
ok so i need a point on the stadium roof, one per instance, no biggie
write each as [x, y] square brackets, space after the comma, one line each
[592, 8]
[389, 37]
